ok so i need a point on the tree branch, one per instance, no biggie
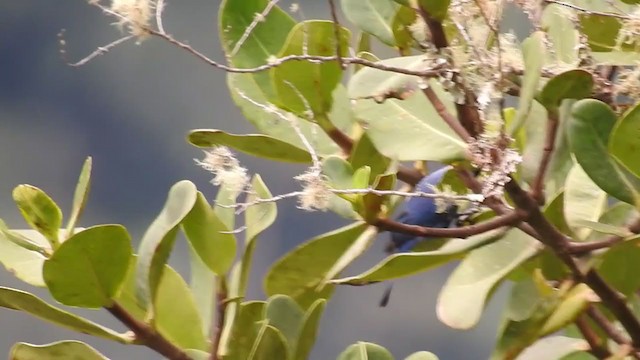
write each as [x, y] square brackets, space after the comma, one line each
[559, 243]
[453, 123]
[508, 219]
[584, 247]
[537, 191]
[147, 335]
[221, 305]
[598, 347]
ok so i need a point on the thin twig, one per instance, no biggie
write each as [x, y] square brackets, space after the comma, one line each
[101, 50]
[257, 19]
[603, 323]
[159, 8]
[579, 248]
[508, 219]
[221, 306]
[147, 335]
[598, 347]
[587, 11]
[453, 123]
[537, 190]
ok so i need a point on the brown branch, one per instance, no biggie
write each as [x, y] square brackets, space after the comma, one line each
[559, 243]
[598, 347]
[147, 335]
[589, 12]
[508, 219]
[584, 247]
[453, 123]
[221, 306]
[603, 323]
[436, 30]
[549, 146]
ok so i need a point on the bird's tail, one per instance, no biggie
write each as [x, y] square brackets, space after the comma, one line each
[387, 294]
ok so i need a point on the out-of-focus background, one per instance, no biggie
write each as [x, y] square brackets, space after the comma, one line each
[130, 110]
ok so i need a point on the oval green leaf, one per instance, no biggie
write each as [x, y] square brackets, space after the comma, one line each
[532, 47]
[303, 86]
[89, 268]
[406, 264]
[23, 301]
[176, 316]
[591, 124]
[373, 16]
[158, 240]
[365, 351]
[554, 347]
[309, 329]
[23, 263]
[39, 211]
[624, 143]
[62, 350]
[572, 84]
[467, 290]
[299, 273]
[209, 237]
[80, 195]
[583, 200]
[253, 144]
[259, 43]
[284, 314]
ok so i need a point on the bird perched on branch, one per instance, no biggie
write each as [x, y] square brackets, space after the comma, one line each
[421, 211]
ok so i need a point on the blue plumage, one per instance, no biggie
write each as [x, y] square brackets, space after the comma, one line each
[421, 211]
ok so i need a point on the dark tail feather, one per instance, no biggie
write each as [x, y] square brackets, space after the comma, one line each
[387, 294]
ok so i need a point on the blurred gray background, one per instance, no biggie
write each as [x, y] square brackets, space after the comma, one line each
[131, 110]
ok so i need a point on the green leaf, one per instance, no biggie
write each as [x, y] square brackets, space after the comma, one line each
[422, 355]
[573, 303]
[61, 350]
[89, 268]
[365, 351]
[23, 263]
[270, 344]
[601, 31]
[309, 329]
[361, 244]
[583, 200]
[554, 212]
[80, 195]
[372, 16]
[304, 86]
[572, 84]
[365, 154]
[618, 266]
[260, 216]
[39, 211]
[23, 301]
[284, 314]
[554, 347]
[299, 273]
[253, 144]
[466, 292]
[209, 237]
[591, 124]
[158, 240]
[259, 43]
[562, 34]
[176, 315]
[243, 331]
[401, 27]
[532, 47]
[406, 264]
[408, 129]
[253, 102]
[624, 142]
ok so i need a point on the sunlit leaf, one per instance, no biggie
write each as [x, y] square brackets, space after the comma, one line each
[583, 200]
[253, 144]
[89, 268]
[62, 350]
[39, 211]
[80, 195]
[372, 16]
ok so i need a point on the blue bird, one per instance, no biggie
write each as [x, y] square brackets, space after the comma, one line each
[420, 211]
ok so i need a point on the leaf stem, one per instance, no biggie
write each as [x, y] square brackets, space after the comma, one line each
[221, 305]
